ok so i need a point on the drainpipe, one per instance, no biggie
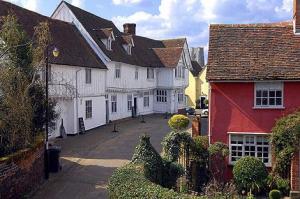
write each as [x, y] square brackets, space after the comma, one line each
[76, 98]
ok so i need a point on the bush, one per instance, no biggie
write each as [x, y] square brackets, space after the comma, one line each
[276, 182]
[146, 155]
[218, 152]
[178, 122]
[130, 182]
[250, 173]
[172, 144]
[275, 194]
[171, 172]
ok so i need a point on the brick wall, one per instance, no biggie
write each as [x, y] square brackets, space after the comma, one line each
[22, 173]
[295, 181]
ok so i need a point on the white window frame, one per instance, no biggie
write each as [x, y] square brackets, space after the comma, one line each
[88, 109]
[180, 97]
[161, 96]
[268, 87]
[129, 102]
[114, 105]
[88, 76]
[117, 72]
[244, 144]
[108, 45]
[150, 73]
[146, 99]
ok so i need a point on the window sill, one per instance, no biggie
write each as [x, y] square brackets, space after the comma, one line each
[268, 107]
[268, 165]
[150, 79]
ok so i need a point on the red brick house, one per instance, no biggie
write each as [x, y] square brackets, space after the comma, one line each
[254, 76]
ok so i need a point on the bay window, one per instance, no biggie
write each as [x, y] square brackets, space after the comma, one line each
[249, 145]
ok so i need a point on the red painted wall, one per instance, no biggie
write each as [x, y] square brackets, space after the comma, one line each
[231, 109]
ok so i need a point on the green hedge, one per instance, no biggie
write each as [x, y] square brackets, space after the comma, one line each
[130, 182]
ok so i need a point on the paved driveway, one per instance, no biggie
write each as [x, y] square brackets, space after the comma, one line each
[89, 160]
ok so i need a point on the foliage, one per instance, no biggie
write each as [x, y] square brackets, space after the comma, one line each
[276, 182]
[199, 152]
[250, 173]
[250, 196]
[146, 155]
[172, 144]
[218, 153]
[285, 141]
[215, 189]
[22, 99]
[130, 182]
[275, 194]
[178, 122]
[171, 172]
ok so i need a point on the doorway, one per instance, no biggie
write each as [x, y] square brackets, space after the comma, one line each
[134, 110]
[107, 111]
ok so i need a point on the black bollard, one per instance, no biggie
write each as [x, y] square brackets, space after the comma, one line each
[166, 115]
[143, 119]
[115, 129]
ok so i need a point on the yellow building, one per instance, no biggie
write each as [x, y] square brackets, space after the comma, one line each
[198, 86]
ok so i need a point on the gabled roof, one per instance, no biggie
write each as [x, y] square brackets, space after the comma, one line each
[196, 68]
[73, 48]
[169, 57]
[253, 52]
[142, 54]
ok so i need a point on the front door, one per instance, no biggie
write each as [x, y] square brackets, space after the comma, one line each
[135, 107]
[107, 111]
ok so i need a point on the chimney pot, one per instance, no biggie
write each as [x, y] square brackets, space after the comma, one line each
[129, 28]
[296, 16]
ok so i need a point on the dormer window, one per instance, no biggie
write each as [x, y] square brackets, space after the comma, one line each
[128, 49]
[108, 44]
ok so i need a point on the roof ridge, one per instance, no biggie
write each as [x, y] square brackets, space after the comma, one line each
[271, 24]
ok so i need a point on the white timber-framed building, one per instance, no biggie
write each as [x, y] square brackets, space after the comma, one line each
[104, 74]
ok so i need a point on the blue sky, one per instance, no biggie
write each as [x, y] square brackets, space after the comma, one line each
[163, 19]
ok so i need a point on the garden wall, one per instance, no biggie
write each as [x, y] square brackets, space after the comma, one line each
[295, 176]
[22, 172]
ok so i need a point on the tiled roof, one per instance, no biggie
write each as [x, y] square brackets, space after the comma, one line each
[196, 68]
[253, 52]
[142, 53]
[73, 48]
[169, 57]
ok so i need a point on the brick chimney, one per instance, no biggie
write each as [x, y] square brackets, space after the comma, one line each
[129, 28]
[296, 16]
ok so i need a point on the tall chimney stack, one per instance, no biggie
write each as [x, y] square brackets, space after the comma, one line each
[129, 28]
[296, 16]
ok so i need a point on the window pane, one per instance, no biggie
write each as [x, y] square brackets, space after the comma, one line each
[272, 101]
[278, 101]
[272, 93]
[258, 101]
[265, 101]
[278, 94]
[265, 93]
[258, 93]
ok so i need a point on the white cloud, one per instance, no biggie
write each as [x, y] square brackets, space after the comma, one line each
[124, 2]
[78, 3]
[191, 18]
[28, 4]
[287, 6]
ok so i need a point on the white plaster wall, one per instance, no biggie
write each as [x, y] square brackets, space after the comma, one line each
[127, 80]
[98, 112]
[165, 77]
[122, 110]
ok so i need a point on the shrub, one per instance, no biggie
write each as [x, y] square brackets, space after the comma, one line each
[130, 182]
[275, 194]
[285, 139]
[171, 172]
[173, 142]
[276, 182]
[218, 152]
[146, 155]
[215, 189]
[178, 122]
[250, 173]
